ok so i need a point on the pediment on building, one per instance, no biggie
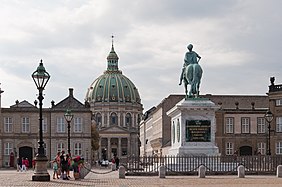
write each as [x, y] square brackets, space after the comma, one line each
[114, 130]
[69, 102]
[22, 104]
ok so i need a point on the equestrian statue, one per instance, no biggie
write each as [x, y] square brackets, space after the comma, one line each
[191, 73]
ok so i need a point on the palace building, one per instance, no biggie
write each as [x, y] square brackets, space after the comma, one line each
[19, 130]
[241, 127]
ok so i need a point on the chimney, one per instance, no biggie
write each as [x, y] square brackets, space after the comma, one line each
[1, 91]
[70, 92]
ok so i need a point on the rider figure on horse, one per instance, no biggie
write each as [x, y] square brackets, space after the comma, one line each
[191, 57]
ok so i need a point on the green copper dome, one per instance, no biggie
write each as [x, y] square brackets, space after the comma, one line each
[112, 86]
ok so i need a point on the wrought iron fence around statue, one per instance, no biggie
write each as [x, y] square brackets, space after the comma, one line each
[188, 165]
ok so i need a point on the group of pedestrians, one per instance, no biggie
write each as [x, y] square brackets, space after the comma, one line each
[22, 164]
[61, 166]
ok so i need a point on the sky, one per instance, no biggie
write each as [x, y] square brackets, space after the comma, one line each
[240, 43]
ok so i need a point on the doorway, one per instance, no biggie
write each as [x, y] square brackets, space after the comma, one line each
[26, 152]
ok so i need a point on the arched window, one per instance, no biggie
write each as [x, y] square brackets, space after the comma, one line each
[99, 119]
[114, 119]
[128, 120]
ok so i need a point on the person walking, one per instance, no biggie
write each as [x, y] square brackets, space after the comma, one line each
[23, 165]
[19, 164]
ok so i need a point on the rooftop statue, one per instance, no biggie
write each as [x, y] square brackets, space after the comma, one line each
[191, 73]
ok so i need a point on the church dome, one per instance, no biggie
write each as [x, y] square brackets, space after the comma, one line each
[112, 86]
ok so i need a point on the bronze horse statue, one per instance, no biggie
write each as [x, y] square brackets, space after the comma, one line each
[192, 76]
[191, 73]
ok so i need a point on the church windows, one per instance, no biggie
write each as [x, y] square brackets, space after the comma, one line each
[99, 119]
[25, 125]
[8, 124]
[61, 127]
[114, 119]
[128, 120]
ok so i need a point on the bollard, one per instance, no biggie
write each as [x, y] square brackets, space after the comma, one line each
[113, 167]
[162, 172]
[202, 171]
[279, 171]
[121, 172]
[241, 171]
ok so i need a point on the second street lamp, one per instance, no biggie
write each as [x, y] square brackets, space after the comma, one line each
[40, 78]
[68, 116]
[268, 117]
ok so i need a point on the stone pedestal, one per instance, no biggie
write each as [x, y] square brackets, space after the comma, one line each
[40, 172]
[193, 127]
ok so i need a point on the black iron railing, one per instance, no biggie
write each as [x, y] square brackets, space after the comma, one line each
[188, 165]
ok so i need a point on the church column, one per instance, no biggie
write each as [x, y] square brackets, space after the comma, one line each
[119, 147]
[109, 149]
[102, 120]
[128, 147]
[124, 121]
[100, 150]
[108, 119]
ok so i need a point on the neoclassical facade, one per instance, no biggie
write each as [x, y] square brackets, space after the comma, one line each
[19, 130]
[241, 127]
[116, 109]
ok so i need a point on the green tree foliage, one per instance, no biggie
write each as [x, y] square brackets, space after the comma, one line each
[94, 138]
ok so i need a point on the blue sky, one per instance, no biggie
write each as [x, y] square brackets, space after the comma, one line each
[239, 42]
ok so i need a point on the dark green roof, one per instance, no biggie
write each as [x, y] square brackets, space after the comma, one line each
[112, 86]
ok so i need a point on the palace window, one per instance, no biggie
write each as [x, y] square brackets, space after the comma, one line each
[25, 125]
[60, 147]
[261, 125]
[261, 148]
[279, 124]
[8, 125]
[278, 148]
[229, 125]
[44, 125]
[77, 125]
[245, 125]
[278, 102]
[229, 149]
[8, 148]
[61, 127]
[77, 149]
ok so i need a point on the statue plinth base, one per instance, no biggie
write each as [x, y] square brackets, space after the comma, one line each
[40, 172]
[193, 127]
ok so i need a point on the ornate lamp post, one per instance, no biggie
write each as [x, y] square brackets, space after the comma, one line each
[40, 77]
[268, 117]
[68, 116]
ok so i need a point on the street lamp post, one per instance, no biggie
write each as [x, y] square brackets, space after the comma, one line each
[40, 77]
[68, 116]
[268, 117]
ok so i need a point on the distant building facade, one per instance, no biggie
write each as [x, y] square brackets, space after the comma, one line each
[19, 130]
[240, 124]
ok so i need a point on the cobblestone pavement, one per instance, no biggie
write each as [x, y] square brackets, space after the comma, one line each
[14, 178]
